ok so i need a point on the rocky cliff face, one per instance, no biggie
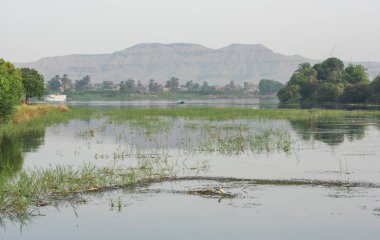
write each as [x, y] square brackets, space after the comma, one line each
[235, 62]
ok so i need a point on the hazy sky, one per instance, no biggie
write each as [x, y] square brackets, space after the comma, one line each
[31, 29]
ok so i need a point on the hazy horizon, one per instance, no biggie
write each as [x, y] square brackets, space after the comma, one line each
[42, 28]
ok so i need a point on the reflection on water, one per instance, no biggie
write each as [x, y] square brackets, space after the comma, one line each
[332, 131]
[275, 149]
[344, 150]
[12, 149]
[165, 211]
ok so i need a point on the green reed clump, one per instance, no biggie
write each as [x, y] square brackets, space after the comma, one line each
[265, 140]
[148, 124]
[207, 126]
[270, 140]
[21, 194]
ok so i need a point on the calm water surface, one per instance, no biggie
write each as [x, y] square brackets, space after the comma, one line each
[245, 103]
[344, 150]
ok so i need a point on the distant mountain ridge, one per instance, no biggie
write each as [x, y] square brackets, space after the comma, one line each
[145, 61]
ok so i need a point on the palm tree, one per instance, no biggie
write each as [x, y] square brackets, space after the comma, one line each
[303, 66]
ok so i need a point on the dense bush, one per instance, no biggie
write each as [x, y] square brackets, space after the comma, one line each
[267, 86]
[330, 82]
[11, 89]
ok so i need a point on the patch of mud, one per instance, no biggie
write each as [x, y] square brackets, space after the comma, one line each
[214, 193]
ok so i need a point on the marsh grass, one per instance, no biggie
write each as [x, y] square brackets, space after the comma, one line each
[149, 125]
[235, 139]
[267, 141]
[236, 113]
[22, 194]
[207, 126]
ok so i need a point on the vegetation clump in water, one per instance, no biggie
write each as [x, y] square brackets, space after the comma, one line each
[22, 193]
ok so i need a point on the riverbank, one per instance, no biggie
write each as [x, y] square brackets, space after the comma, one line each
[38, 116]
[25, 112]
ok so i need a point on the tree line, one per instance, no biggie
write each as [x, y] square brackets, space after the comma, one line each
[15, 84]
[330, 82]
[63, 84]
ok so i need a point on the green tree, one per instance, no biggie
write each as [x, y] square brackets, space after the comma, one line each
[172, 83]
[83, 84]
[303, 66]
[355, 93]
[67, 84]
[306, 79]
[328, 92]
[139, 86]
[355, 74]
[191, 86]
[330, 70]
[289, 94]
[267, 86]
[11, 89]
[130, 85]
[328, 81]
[54, 84]
[153, 86]
[123, 87]
[374, 91]
[205, 87]
[33, 83]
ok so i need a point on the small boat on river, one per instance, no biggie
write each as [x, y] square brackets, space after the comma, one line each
[55, 98]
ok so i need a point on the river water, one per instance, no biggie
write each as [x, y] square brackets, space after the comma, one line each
[340, 150]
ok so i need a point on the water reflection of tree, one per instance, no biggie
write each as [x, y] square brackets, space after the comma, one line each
[13, 147]
[332, 132]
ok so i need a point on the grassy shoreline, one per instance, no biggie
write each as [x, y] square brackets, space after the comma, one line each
[35, 117]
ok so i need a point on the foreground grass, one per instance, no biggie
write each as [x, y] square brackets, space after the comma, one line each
[22, 194]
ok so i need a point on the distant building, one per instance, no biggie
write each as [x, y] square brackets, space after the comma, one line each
[250, 87]
[98, 86]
